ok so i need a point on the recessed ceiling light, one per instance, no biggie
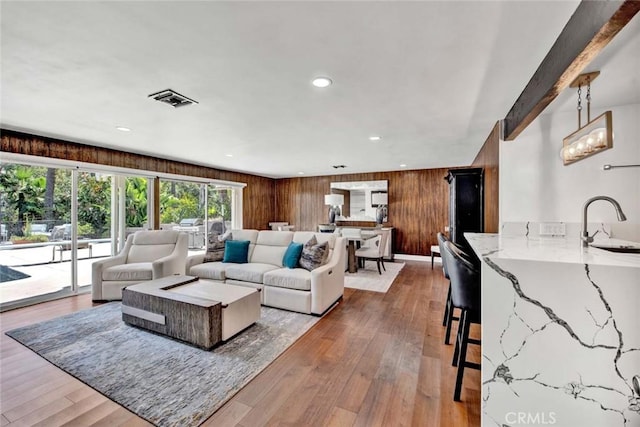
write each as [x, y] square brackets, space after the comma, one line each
[300, 173]
[375, 138]
[123, 129]
[403, 165]
[229, 155]
[321, 82]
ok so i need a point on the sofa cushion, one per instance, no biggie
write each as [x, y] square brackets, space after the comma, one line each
[314, 254]
[292, 255]
[123, 272]
[250, 235]
[209, 270]
[155, 237]
[149, 253]
[296, 278]
[236, 251]
[274, 238]
[264, 254]
[215, 246]
[270, 247]
[251, 272]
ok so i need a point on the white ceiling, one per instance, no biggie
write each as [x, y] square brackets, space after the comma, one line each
[430, 77]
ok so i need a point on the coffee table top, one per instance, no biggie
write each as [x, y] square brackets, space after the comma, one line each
[208, 289]
[192, 290]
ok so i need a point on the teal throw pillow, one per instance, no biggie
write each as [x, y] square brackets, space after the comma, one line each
[292, 255]
[236, 251]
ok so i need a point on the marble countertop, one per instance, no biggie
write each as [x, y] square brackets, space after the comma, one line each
[560, 250]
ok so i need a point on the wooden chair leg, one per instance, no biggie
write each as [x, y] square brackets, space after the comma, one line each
[462, 357]
[378, 264]
[382, 262]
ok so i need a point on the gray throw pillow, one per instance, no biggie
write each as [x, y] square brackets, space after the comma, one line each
[313, 254]
[215, 246]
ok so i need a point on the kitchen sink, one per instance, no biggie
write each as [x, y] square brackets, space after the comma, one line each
[626, 249]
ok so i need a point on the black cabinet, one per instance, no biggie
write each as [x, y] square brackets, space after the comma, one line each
[465, 203]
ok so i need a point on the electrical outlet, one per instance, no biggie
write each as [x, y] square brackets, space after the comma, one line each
[552, 229]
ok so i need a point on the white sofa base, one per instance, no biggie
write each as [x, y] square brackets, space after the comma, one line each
[288, 299]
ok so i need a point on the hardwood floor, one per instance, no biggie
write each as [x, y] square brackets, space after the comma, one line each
[375, 359]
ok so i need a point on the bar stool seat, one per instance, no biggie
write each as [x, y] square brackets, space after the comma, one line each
[465, 295]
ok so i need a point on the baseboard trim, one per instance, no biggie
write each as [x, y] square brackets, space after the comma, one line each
[421, 258]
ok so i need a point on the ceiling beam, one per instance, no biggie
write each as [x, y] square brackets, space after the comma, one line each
[591, 27]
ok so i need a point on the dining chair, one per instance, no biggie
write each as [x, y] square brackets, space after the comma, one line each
[375, 251]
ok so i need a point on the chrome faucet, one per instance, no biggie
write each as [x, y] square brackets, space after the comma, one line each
[586, 239]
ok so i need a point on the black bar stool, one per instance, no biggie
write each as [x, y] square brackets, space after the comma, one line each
[448, 317]
[465, 295]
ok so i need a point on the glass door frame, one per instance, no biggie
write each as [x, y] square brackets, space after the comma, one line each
[118, 200]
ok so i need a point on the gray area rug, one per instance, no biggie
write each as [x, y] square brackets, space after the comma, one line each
[164, 381]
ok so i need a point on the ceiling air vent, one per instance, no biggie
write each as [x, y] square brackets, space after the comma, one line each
[172, 98]
[339, 166]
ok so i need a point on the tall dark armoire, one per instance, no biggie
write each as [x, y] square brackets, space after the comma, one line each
[466, 201]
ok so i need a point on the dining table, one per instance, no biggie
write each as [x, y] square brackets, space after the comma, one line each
[353, 241]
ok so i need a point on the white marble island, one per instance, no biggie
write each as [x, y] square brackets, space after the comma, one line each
[560, 332]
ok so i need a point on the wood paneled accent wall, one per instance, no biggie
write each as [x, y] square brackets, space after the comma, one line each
[489, 158]
[418, 204]
[258, 196]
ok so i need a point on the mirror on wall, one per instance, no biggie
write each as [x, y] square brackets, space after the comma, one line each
[362, 199]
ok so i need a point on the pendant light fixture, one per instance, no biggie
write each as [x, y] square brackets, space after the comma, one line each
[596, 135]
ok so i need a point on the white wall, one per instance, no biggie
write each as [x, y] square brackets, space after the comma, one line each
[536, 186]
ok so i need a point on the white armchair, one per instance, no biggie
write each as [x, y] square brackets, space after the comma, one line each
[147, 255]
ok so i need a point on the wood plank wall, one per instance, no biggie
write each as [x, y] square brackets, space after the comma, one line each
[258, 196]
[418, 204]
[489, 158]
[418, 199]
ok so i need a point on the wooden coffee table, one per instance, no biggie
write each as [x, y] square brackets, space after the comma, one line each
[198, 311]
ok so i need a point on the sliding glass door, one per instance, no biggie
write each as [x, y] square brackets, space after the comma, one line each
[35, 214]
[56, 220]
[94, 221]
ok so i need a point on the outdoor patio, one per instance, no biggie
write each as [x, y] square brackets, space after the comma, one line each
[47, 276]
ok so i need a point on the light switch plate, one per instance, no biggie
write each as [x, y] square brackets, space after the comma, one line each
[552, 229]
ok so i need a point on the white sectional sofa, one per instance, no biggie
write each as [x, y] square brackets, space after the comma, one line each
[297, 289]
